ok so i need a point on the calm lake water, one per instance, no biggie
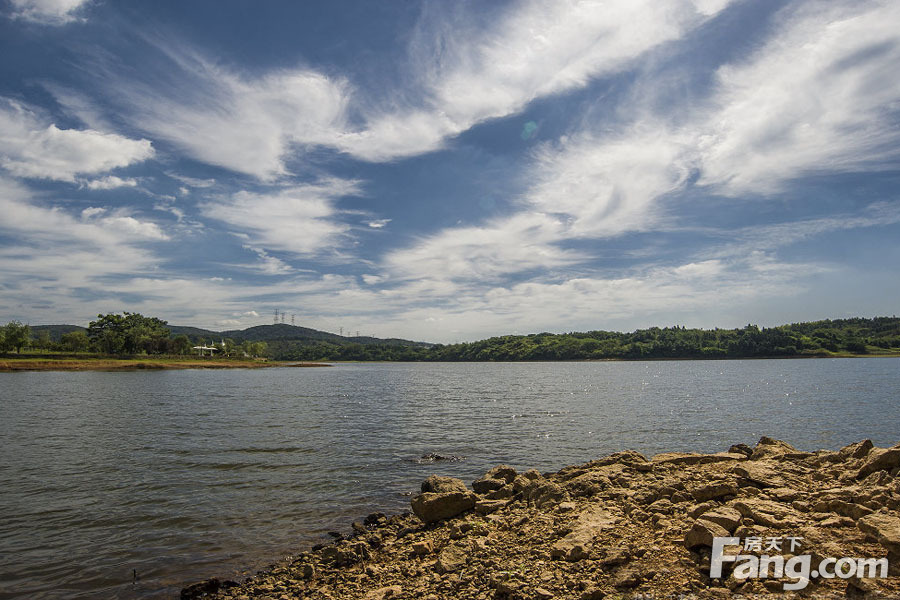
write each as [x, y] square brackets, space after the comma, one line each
[183, 475]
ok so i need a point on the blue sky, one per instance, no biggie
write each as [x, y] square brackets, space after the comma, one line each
[447, 171]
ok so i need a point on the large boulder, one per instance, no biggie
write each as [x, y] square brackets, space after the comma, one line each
[880, 459]
[494, 479]
[702, 533]
[768, 447]
[442, 485]
[442, 498]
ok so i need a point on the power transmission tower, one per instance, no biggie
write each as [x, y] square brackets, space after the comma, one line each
[342, 331]
[282, 317]
[292, 319]
[276, 317]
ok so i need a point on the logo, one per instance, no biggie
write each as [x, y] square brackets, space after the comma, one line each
[797, 567]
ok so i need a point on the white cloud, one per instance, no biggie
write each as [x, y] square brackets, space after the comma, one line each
[486, 252]
[50, 254]
[608, 185]
[193, 182]
[31, 148]
[301, 219]
[470, 74]
[247, 125]
[133, 228]
[822, 96]
[378, 223]
[268, 264]
[111, 182]
[47, 12]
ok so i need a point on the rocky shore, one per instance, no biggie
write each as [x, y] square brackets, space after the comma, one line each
[623, 526]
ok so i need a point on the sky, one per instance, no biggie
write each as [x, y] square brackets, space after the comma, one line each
[449, 171]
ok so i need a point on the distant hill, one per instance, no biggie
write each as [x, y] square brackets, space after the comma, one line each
[282, 332]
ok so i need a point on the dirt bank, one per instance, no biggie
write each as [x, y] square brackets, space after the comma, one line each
[114, 364]
[619, 527]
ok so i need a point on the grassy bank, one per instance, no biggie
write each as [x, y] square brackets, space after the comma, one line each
[88, 362]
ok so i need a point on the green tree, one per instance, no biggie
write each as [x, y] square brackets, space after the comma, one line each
[181, 344]
[128, 333]
[75, 341]
[42, 341]
[16, 335]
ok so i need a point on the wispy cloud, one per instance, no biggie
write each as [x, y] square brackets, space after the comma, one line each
[821, 96]
[469, 72]
[464, 73]
[47, 12]
[110, 182]
[244, 123]
[302, 219]
[29, 147]
[484, 253]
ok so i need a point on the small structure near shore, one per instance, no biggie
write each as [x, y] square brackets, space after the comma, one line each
[201, 350]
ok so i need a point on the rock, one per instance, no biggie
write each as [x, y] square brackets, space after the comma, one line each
[431, 507]
[615, 557]
[883, 527]
[542, 594]
[451, 559]
[202, 589]
[432, 457]
[702, 533]
[308, 571]
[384, 593]
[841, 507]
[727, 517]
[766, 512]
[741, 449]
[785, 494]
[880, 459]
[442, 485]
[541, 492]
[856, 451]
[759, 474]
[693, 458]
[699, 509]
[714, 490]
[504, 472]
[663, 505]
[422, 548]
[768, 447]
[485, 485]
[503, 493]
[627, 579]
[486, 507]
[576, 545]
[374, 519]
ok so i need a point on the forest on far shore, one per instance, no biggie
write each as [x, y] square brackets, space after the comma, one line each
[859, 336]
[135, 334]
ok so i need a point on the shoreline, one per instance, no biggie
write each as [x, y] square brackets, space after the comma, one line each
[621, 526]
[26, 364]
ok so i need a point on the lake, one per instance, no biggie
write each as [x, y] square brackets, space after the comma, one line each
[184, 475]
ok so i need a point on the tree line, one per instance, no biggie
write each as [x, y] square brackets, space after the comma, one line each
[125, 334]
[819, 338]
